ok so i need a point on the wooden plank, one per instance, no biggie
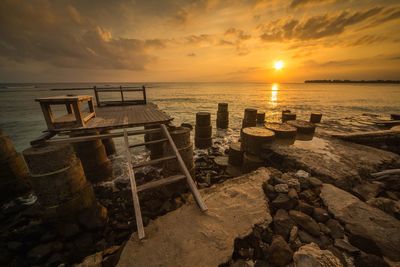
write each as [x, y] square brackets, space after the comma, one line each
[148, 143]
[160, 182]
[182, 166]
[135, 198]
[98, 136]
[153, 162]
[42, 138]
[388, 123]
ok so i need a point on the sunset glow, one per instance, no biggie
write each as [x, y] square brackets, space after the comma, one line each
[278, 65]
[177, 40]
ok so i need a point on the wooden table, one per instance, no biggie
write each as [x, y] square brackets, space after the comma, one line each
[75, 116]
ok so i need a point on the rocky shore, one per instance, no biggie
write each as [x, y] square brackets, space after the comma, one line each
[317, 224]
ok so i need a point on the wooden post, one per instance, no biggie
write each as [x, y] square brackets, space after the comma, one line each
[96, 94]
[122, 93]
[144, 94]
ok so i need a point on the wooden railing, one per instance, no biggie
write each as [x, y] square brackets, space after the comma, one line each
[123, 101]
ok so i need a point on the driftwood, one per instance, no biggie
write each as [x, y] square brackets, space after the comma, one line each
[368, 137]
[387, 123]
[385, 173]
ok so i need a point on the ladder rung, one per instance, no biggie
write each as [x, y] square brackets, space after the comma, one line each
[149, 143]
[163, 181]
[152, 162]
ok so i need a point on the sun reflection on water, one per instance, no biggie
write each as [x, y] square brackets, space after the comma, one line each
[274, 94]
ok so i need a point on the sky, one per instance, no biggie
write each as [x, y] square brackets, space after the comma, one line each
[198, 40]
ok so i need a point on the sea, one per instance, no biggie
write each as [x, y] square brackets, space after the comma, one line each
[345, 107]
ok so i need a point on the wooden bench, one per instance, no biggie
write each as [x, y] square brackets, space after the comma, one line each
[121, 90]
[75, 116]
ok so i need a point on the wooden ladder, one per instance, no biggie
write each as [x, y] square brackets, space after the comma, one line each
[164, 181]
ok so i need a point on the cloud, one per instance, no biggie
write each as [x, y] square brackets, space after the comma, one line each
[48, 36]
[315, 27]
[297, 3]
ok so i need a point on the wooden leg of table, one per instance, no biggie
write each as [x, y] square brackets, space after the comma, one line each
[69, 108]
[48, 115]
[78, 114]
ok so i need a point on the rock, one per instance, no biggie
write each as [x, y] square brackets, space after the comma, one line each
[221, 161]
[240, 263]
[325, 241]
[269, 190]
[311, 255]
[314, 182]
[261, 263]
[246, 253]
[344, 245]
[320, 215]
[293, 234]
[305, 221]
[369, 260]
[308, 195]
[367, 226]
[282, 223]
[292, 194]
[14, 245]
[367, 190]
[93, 218]
[336, 229]
[281, 188]
[332, 161]
[282, 201]
[40, 252]
[280, 253]
[94, 260]
[302, 174]
[387, 205]
[68, 230]
[306, 238]
[305, 207]
[294, 183]
[324, 229]
[339, 255]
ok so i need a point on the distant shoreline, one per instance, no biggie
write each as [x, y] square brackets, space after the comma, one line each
[353, 81]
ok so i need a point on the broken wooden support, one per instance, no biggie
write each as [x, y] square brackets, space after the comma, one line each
[13, 170]
[395, 116]
[315, 117]
[94, 158]
[387, 123]
[222, 116]
[260, 117]
[288, 116]
[250, 118]
[386, 172]
[58, 180]
[254, 138]
[235, 154]
[203, 130]
[108, 144]
[284, 133]
[251, 162]
[303, 127]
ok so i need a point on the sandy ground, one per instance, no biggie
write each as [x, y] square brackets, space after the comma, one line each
[188, 237]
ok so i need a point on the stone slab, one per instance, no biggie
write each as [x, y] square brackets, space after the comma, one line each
[333, 161]
[188, 237]
[364, 220]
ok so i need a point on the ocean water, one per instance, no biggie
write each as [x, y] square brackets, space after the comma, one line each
[345, 107]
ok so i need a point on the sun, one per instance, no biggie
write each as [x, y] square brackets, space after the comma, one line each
[279, 64]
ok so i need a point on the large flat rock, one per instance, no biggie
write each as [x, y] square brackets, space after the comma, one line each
[363, 220]
[188, 237]
[333, 161]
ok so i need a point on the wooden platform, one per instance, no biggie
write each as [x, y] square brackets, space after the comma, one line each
[115, 117]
